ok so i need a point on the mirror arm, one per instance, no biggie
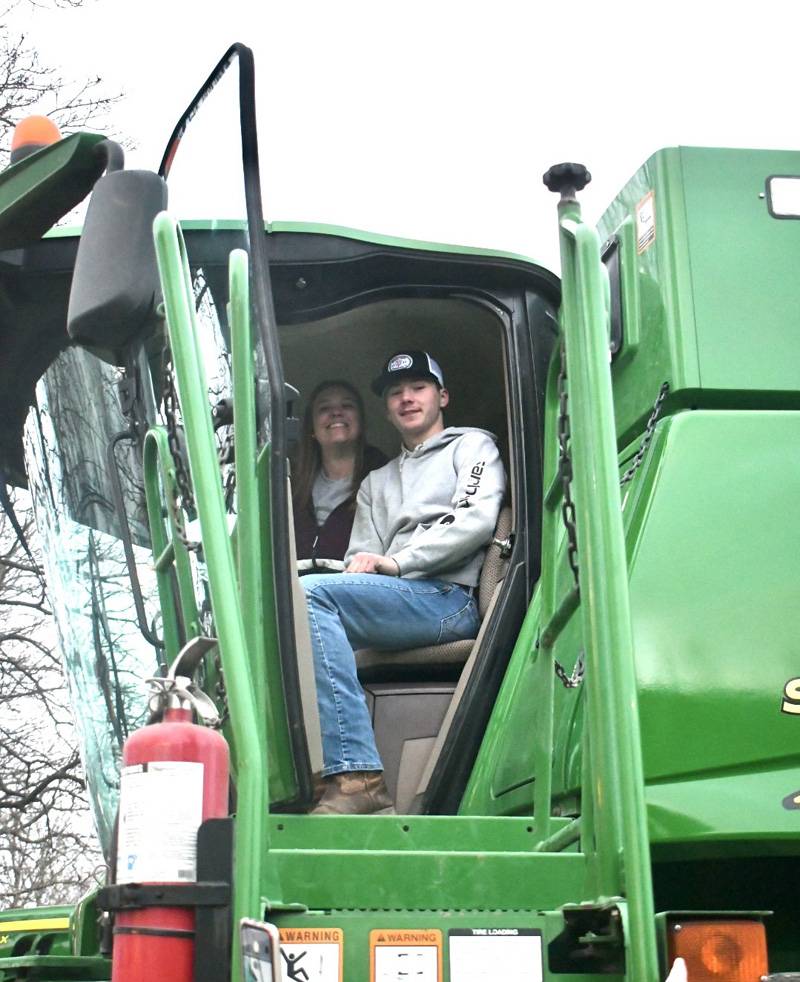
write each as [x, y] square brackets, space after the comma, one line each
[111, 154]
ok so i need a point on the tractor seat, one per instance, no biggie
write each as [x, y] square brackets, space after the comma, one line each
[442, 661]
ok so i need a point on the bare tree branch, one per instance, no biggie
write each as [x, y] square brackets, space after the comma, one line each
[26, 85]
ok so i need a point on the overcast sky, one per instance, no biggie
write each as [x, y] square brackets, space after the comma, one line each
[435, 120]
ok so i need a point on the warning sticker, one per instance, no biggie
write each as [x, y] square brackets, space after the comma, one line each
[160, 811]
[310, 954]
[646, 222]
[415, 956]
[489, 954]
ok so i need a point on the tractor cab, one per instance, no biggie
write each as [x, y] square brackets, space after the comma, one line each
[117, 505]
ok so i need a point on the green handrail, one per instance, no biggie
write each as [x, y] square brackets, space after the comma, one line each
[618, 813]
[251, 763]
[544, 668]
[248, 519]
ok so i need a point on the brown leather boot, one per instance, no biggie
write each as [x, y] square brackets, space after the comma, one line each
[318, 786]
[355, 793]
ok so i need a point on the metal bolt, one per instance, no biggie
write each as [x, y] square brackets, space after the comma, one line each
[301, 283]
[677, 928]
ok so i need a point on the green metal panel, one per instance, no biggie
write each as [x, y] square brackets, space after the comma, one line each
[743, 265]
[33, 924]
[713, 554]
[55, 968]
[53, 930]
[730, 813]
[714, 586]
[420, 863]
[712, 304]
[658, 318]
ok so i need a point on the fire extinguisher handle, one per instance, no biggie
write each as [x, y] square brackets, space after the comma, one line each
[186, 694]
[179, 687]
[190, 656]
[184, 691]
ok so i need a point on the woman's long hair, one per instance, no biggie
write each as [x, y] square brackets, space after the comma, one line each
[309, 456]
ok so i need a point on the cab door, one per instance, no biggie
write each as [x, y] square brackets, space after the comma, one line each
[211, 166]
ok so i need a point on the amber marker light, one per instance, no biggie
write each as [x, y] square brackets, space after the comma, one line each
[719, 951]
[31, 134]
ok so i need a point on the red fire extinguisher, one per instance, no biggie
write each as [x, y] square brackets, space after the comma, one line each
[174, 777]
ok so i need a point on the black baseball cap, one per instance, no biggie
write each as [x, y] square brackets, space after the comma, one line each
[408, 364]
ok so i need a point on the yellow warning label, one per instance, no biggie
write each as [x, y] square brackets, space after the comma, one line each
[415, 954]
[312, 935]
[312, 954]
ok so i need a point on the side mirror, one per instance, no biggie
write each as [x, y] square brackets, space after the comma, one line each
[115, 286]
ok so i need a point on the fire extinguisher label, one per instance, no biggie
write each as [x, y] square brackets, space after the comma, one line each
[160, 811]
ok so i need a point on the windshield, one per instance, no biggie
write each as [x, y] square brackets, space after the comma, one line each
[106, 657]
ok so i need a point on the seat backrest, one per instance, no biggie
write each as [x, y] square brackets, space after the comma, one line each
[495, 563]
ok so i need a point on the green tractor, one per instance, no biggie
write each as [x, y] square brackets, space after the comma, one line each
[607, 780]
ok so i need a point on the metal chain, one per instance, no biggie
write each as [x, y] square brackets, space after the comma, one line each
[574, 680]
[649, 430]
[220, 691]
[184, 498]
[225, 455]
[568, 506]
[229, 489]
[565, 469]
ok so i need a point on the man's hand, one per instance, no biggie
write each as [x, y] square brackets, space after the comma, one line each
[370, 562]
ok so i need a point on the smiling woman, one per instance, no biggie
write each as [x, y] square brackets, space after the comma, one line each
[332, 461]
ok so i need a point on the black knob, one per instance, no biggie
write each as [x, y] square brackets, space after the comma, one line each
[566, 179]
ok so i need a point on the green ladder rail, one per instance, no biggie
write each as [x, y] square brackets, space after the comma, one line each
[251, 838]
[613, 828]
[169, 551]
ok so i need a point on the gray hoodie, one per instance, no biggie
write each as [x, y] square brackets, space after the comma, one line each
[433, 509]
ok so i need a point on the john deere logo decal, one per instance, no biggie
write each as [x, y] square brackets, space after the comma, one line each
[399, 362]
[791, 698]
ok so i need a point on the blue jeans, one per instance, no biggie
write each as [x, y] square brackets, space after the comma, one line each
[348, 611]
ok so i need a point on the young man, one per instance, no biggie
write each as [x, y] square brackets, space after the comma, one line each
[422, 525]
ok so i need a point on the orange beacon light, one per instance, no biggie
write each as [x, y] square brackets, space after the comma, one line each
[31, 134]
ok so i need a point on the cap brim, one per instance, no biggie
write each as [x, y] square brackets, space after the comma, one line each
[382, 383]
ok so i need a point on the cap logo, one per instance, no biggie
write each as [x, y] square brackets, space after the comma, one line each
[399, 362]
